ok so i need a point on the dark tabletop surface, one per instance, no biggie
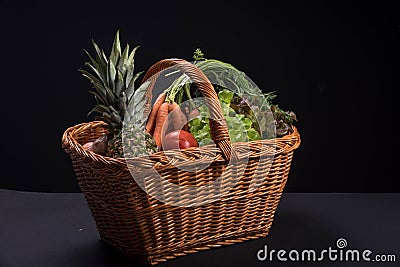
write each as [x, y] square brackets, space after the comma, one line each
[56, 229]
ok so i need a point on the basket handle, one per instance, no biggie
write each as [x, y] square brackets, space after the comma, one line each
[218, 128]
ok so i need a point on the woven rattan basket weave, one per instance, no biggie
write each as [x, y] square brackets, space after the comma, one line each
[152, 231]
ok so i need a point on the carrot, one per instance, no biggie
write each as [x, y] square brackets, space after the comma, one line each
[170, 125]
[178, 117]
[161, 123]
[151, 121]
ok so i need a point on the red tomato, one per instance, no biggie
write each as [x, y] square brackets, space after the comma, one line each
[179, 139]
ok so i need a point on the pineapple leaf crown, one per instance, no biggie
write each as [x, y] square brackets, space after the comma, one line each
[113, 81]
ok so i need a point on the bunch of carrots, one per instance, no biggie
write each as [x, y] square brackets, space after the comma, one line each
[166, 117]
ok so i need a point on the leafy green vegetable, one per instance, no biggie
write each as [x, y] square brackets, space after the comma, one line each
[239, 126]
[225, 96]
[244, 105]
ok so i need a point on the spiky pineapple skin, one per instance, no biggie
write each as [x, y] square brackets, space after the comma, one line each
[118, 102]
[130, 144]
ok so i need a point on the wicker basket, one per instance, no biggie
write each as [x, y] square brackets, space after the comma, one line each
[152, 231]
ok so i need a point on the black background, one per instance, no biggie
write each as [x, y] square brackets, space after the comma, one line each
[335, 65]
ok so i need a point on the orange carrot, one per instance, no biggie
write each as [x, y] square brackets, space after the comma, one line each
[170, 125]
[151, 121]
[178, 117]
[161, 123]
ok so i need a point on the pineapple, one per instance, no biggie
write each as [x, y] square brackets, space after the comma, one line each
[118, 103]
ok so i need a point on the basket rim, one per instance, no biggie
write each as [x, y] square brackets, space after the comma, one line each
[70, 143]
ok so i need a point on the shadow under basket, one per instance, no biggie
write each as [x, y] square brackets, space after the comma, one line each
[151, 231]
[246, 190]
